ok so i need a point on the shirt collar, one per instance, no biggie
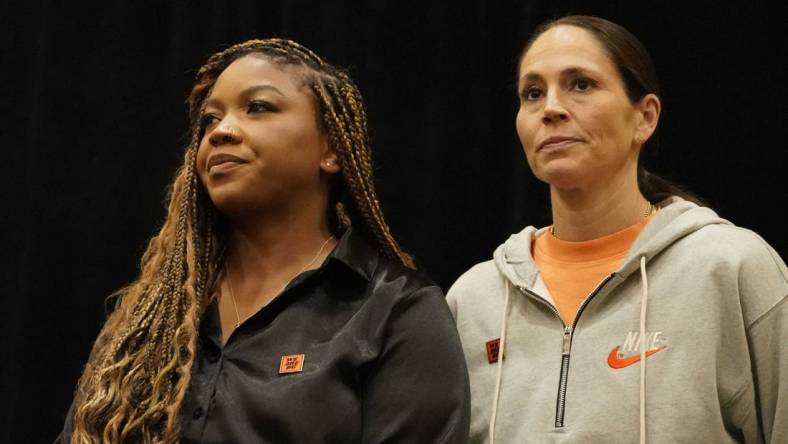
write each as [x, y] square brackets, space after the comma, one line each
[356, 254]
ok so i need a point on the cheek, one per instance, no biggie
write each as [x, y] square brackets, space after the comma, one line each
[525, 130]
[600, 128]
[606, 123]
[201, 160]
[305, 142]
[593, 119]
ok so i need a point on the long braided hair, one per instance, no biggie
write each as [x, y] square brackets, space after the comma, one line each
[135, 380]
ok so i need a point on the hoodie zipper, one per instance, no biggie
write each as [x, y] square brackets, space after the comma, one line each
[560, 403]
[566, 349]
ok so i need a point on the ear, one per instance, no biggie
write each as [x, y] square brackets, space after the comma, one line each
[329, 162]
[648, 110]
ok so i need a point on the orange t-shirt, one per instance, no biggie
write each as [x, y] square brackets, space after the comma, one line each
[572, 270]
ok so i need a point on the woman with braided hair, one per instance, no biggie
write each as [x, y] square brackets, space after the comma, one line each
[274, 305]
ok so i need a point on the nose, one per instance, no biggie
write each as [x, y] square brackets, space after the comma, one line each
[554, 110]
[224, 134]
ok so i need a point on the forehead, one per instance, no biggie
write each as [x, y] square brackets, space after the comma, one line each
[254, 70]
[563, 46]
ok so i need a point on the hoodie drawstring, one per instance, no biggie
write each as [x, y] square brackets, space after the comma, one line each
[501, 344]
[643, 307]
[643, 311]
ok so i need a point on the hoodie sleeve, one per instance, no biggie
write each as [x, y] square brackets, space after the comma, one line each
[769, 336]
[764, 284]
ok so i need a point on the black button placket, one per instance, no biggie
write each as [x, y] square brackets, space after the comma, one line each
[213, 363]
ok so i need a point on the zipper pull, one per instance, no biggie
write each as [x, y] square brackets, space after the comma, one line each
[567, 340]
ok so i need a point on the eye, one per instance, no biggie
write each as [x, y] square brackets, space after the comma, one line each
[207, 120]
[583, 84]
[260, 106]
[532, 93]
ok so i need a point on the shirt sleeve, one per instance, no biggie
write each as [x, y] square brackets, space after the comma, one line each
[417, 391]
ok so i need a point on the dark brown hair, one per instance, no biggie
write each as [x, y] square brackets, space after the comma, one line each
[637, 71]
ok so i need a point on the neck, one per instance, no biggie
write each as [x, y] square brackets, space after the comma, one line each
[264, 247]
[594, 212]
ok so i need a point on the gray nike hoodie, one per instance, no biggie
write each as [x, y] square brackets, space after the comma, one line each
[709, 298]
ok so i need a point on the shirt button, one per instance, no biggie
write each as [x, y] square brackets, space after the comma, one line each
[197, 413]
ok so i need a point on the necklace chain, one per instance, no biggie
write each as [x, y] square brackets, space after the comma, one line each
[650, 209]
[232, 293]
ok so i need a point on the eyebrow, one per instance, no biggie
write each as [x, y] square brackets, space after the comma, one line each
[569, 71]
[249, 91]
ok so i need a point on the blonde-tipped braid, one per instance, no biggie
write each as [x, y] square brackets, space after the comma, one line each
[137, 375]
[346, 124]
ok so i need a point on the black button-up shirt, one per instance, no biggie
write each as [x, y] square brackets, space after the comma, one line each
[361, 350]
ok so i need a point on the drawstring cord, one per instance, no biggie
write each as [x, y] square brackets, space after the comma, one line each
[500, 363]
[643, 306]
[643, 311]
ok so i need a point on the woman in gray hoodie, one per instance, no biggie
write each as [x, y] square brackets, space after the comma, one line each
[638, 315]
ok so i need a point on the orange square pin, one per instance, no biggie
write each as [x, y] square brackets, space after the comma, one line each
[492, 350]
[291, 364]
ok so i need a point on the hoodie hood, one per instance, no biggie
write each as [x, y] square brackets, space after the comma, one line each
[676, 219]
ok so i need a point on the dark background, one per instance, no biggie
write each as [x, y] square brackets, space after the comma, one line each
[94, 125]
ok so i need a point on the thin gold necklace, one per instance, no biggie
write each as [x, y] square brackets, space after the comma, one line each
[650, 209]
[232, 293]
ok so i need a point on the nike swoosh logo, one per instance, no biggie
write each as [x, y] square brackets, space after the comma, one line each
[615, 362]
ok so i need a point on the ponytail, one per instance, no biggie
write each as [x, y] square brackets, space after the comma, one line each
[656, 188]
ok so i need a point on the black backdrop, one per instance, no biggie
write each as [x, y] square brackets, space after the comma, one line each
[94, 125]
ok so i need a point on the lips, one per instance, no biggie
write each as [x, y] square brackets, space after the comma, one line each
[557, 142]
[222, 162]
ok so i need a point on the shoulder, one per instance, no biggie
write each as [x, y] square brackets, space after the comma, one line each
[411, 307]
[478, 277]
[699, 233]
[394, 283]
[386, 279]
[393, 272]
[736, 247]
[475, 290]
[745, 261]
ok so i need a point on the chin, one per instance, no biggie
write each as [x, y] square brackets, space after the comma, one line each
[560, 175]
[231, 201]
[227, 207]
